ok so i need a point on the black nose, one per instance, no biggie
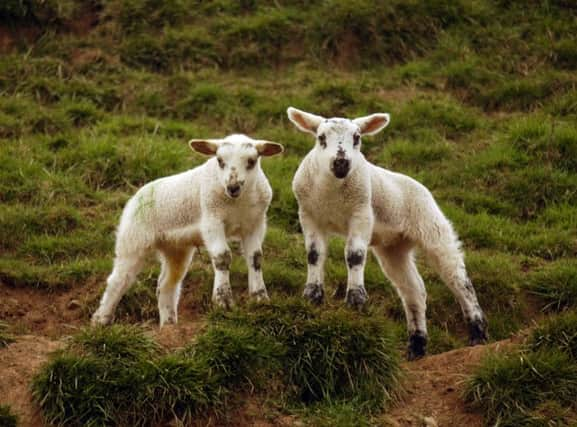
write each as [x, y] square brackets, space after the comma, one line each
[341, 167]
[233, 190]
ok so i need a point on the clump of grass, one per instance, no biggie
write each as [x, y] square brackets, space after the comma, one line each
[7, 418]
[556, 285]
[117, 342]
[118, 376]
[558, 333]
[340, 414]
[546, 141]
[329, 355]
[507, 388]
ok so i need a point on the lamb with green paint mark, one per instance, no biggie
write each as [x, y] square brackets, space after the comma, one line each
[226, 198]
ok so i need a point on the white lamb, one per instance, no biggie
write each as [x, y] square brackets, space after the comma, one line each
[340, 192]
[226, 198]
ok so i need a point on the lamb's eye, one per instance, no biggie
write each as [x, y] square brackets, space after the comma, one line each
[250, 163]
[220, 162]
[323, 140]
[356, 139]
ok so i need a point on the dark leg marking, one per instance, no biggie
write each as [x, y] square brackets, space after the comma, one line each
[313, 255]
[477, 330]
[224, 296]
[355, 258]
[314, 292]
[256, 260]
[222, 261]
[260, 294]
[357, 297]
[340, 291]
[171, 319]
[469, 286]
[417, 347]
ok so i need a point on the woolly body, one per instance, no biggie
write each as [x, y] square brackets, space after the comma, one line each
[340, 192]
[172, 216]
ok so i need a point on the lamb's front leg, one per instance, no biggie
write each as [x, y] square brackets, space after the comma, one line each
[360, 230]
[316, 247]
[252, 247]
[215, 240]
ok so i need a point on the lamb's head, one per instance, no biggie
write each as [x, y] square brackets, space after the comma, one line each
[338, 144]
[237, 159]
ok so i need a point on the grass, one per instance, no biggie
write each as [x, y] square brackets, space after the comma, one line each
[530, 386]
[308, 355]
[558, 332]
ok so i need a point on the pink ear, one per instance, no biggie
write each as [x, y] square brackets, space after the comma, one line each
[372, 124]
[304, 121]
[267, 148]
[204, 146]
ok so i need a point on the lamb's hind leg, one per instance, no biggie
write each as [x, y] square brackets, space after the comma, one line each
[448, 260]
[399, 266]
[175, 263]
[125, 270]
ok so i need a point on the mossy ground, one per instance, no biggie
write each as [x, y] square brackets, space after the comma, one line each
[102, 96]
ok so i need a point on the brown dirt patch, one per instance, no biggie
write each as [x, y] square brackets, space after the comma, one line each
[45, 313]
[434, 388]
[19, 362]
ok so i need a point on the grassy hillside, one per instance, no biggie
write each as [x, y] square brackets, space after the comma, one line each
[100, 97]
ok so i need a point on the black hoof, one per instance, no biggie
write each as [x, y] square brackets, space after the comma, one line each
[340, 291]
[357, 297]
[417, 347]
[477, 331]
[314, 292]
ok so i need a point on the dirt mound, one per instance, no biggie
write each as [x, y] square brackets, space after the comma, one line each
[18, 363]
[434, 387]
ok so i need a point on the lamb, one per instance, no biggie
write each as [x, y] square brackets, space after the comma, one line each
[226, 198]
[340, 192]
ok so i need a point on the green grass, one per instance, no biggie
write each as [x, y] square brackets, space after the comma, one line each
[557, 333]
[534, 385]
[119, 374]
[509, 388]
[555, 285]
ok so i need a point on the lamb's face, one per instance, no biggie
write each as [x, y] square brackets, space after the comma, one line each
[338, 145]
[237, 164]
[237, 159]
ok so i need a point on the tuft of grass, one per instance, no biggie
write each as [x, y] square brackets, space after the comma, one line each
[508, 387]
[559, 333]
[556, 285]
[7, 418]
[118, 376]
[116, 343]
[330, 355]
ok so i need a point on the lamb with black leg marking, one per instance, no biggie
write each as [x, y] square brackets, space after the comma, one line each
[226, 198]
[340, 192]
